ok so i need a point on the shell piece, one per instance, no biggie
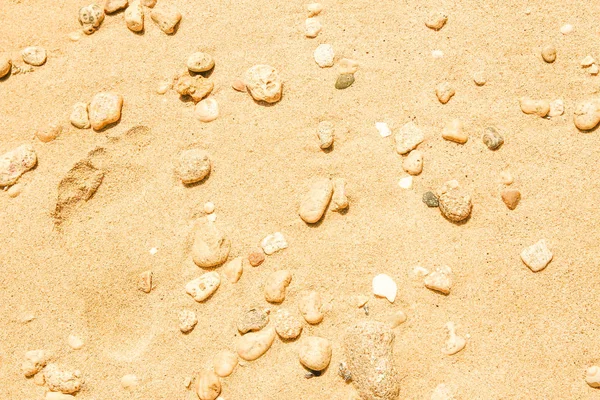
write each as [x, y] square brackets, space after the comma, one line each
[384, 286]
[592, 376]
[203, 287]
[273, 243]
[455, 343]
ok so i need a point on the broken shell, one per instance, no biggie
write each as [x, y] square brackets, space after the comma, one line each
[384, 286]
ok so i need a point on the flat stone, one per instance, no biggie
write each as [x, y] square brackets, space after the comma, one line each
[430, 199]
[15, 163]
[211, 248]
[252, 320]
[105, 109]
[492, 139]
[408, 138]
[537, 256]
[511, 197]
[344, 81]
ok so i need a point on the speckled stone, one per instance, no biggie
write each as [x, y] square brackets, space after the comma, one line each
[492, 139]
[344, 81]
[430, 199]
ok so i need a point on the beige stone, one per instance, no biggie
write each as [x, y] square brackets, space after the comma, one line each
[208, 385]
[253, 345]
[537, 256]
[134, 16]
[105, 109]
[166, 16]
[276, 284]
[112, 6]
[455, 202]
[233, 270]
[315, 201]
[540, 108]
[310, 306]
[15, 163]
[79, 116]
[211, 247]
[444, 92]
[5, 66]
[511, 197]
[408, 138]
[224, 362]
[203, 287]
[49, 133]
[63, 381]
[34, 55]
[314, 352]
[413, 163]
[207, 110]
[187, 321]
[587, 114]
[200, 62]
[90, 18]
[193, 165]
[339, 201]
[287, 326]
[263, 83]
[453, 131]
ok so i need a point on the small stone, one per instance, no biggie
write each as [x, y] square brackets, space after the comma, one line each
[253, 345]
[238, 85]
[557, 108]
[49, 133]
[511, 197]
[314, 353]
[56, 395]
[587, 61]
[396, 319]
[200, 62]
[187, 382]
[430, 199]
[15, 190]
[344, 81]
[166, 17]
[187, 321]
[324, 55]
[586, 115]
[134, 16]
[224, 362]
[197, 87]
[111, 6]
[252, 320]
[310, 306]
[129, 382]
[455, 343]
[145, 281]
[592, 376]
[479, 78]
[339, 201]
[492, 139]
[75, 36]
[210, 248]
[208, 207]
[455, 202]
[406, 182]
[15, 163]
[164, 86]
[105, 109]
[549, 53]
[444, 92]
[207, 110]
[75, 342]
[506, 177]
[437, 54]
[62, 381]
[347, 66]
[193, 165]
[439, 280]
[436, 20]
[537, 256]
[79, 116]
[35, 360]
[312, 27]
[566, 29]
[208, 385]
[5, 66]
[413, 163]
[384, 286]
[256, 258]
[233, 270]
[383, 129]
[453, 131]
[314, 9]
[539, 107]
[90, 18]
[315, 201]
[325, 131]
[408, 138]
[34, 55]
[202, 288]
[273, 243]
[287, 326]
[594, 69]
[263, 83]
[276, 285]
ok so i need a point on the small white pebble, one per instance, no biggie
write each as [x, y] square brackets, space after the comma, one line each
[506, 177]
[207, 110]
[153, 250]
[566, 29]
[383, 128]
[211, 217]
[455, 343]
[406, 182]
[314, 9]
[384, 286]
[75, 36]
[75, 342]
[209, 207]
[594, 69]
[527, 11]
[324, 55]
[557, 108]
[312, 27]
[129, 381]
[273, 243]
[419, 271]
[437, 54]
[587, 61]
[592, 376]
[163, 86]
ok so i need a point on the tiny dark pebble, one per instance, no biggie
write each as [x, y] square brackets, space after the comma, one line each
[430, 199]
[492, 139]
[309, 375]
[344, 372]
[366, 309]
[344, 80]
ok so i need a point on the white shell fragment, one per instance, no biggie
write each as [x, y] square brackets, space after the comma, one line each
[384, 286]
[273, 243]
[324, 55]
[537, 256]
[383, 129]
[587, 61]
[439, 280]
[557, 108]
[566, 29]
[406, 182]
[312, 27]
[592, 376]
[455, 343]
[202, 288]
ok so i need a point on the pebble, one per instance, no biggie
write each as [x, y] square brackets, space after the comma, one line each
[208, 385]
[324, 55]
[5, 66]
[592, 376]
[413, 163]
[211, 248]
[209, 207]
[537, 256]
[310, 306]
[58, 395]
[347, 66]
[35, 360]
[491, 138]
[224, 362]
[15, 163]
[34, 55]
[430, 199]
[325, 131]
[506, 177]
[49, 133]
[256, 258]
[253, 345]
[312, 27]
[384, 286]
[197, 87]
[166, 17]
[339, 201]
[369, 350]
[90, 18]
[130, 382]
[383, 129]
[202, 288]
[164, 86]
[455, 202]
[511, 197]
[111, 6]
[263, 83]
[453, 131]
[276, 285]
[479, 78]
[455, 343]
[406, 182]
[15, 190]
[408, 138]
[315, 201]
[444, 91]
[252, 320]
[145, 281]
[105, 109]
[594, 69]
[207, 110]
[79, 116]
[566, 29]
[233, 270]
[539, 107]
[396, 319]
[587, 61]
[314, 9]
[344, 81]
[557, 108]
[200, 62]
[549, 53]
[39, 379]
[287, 326]
[436, 20]
[75, 342]
[134, 16]
[75, 36]
[439, 280]
[187, 321]
[62, 381]
[193, 165]
[442, 392]
[238, 85]
[437, 54]
[273, 243]
[586, 115]
[314, 352]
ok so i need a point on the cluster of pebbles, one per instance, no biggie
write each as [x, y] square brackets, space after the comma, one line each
[32, 56]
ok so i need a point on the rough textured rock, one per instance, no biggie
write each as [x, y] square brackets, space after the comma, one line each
[263, 83]
[193, 165]
[454, 202]
[288, 327]
[62, 381]
[90, 18]
[210, 247]
[202, 288]
[408, 137]
[252, 320]
[104, 109]
[166, 17]
[197, 87]
[314, 352]
[34, 361]
[15, 163]
[134, 16]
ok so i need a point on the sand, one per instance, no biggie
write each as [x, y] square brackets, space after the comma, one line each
[532, 334]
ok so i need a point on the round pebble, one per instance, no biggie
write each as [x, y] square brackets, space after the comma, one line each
[436, 20]
[75, 342]
[492, 139]
[15, 163]
[314, 352]
[592, 376]
[506, 177]
[314, 9]
[288, 327]
[129, 382]
[310, 305]
[430, 199]
[200, 62]
[324, 55]
[209, 207]
[549, 53]
[455, 202]
[207, 110]
[263, 83]
[34, 55]
[566, 29]
[105, 109]
[479, 78]
[540, 108]
[193, 165]
[208, 385]
[276, 285]
[252, 320]
[344, 81]
[5, 66]
[90, 18]
[413, 163]
[312, 27]
[224, 362]
[187, 321]
[587, 114]
[256, 258]
[49, 133]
